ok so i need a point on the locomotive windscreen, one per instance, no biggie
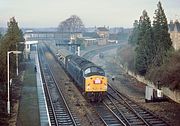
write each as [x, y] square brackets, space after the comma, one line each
[94, 71]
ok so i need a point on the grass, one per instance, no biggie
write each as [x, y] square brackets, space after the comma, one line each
[29, 109]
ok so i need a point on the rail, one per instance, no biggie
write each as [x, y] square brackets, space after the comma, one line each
[136, 114]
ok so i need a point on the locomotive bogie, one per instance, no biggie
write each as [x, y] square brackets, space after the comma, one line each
[95, 96]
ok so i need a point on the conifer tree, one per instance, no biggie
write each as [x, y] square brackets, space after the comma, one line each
[161, 36]
[10, 43]
[145, 46]
[133, 38]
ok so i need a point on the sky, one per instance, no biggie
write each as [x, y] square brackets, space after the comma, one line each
[112, 13]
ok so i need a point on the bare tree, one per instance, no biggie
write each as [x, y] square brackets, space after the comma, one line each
[72, 24]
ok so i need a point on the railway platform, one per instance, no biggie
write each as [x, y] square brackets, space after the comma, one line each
[33, 107]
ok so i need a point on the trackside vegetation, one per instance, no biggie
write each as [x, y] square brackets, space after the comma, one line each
[150, 52]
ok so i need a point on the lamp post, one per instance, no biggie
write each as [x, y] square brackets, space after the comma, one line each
[8, 101]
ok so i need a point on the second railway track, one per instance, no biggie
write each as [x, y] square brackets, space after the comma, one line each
[59, 112]
[118, 110]
[130, 112]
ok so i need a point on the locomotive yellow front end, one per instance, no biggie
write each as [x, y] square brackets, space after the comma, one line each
[96, 83]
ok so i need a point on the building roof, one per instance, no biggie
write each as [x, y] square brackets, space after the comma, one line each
[102, 29]
[31, 42]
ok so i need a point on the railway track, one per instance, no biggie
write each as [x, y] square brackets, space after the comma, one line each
[59, 112]
[130, 112]
[108, 117]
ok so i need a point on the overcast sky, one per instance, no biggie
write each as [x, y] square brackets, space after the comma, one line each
[113, 13]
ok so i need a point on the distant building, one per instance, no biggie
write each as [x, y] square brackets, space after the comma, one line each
[89, 41]
[103, 34]
[74, 36]
[116, 30]
[174, 30]
[113, 41]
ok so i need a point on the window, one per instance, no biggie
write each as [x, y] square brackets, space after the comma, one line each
[88, 70]
[94, 71]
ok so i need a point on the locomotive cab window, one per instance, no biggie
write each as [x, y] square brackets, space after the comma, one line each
[87, 71]
[93, 70]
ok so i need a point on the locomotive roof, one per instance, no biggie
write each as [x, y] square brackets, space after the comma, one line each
[82, 62]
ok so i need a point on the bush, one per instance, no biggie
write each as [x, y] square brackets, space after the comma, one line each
[126, 55]
[167, 74]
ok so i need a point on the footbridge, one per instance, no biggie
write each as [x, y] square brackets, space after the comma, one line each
[50, 35]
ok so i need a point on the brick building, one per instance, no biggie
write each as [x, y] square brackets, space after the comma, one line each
[103, 34]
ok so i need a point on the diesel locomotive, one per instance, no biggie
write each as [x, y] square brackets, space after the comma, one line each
[89, 77]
